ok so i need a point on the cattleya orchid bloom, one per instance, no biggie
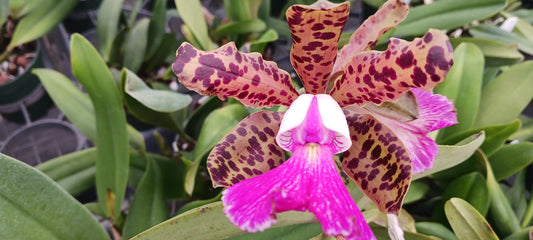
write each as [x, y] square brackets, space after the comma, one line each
[344, 110]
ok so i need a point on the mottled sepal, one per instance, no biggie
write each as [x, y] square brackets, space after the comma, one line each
[316, 30]
[248, 150]
[435, 112]
[366, 36]
[377, 161]
[307, 181]
[385, 76]
[226, 72]
[314, 119]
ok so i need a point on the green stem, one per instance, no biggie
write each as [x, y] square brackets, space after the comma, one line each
[528, 216]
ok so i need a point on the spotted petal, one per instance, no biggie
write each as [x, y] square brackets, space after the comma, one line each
[226, 72]
[248, 150]
[385, 76]
[316, 30]
[435, 112]
[307, 181]
[366, 36]
[377, 161]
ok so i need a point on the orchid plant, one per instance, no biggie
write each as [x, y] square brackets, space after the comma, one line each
[343, 110]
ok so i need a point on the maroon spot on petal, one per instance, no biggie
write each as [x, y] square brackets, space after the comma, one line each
[436, 58]
[318, 26]
[405, 60]
[428, 37]
[419, 77]
[256, 80]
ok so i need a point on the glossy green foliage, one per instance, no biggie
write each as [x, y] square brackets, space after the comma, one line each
[111, 139]
[496, 53]
[447, 14]
[33, 206]
[466, 222]
[40, 20]
[158, 107]
[510, 159]
[496, 33]
[217, 124]
[504, 98]
[210, 216]
[191, 13]
[107, 25]
[463, 86]
[148, 207]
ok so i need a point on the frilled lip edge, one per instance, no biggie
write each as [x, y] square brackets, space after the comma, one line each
[307, 181]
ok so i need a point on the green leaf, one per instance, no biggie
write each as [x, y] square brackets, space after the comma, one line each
[185, 226]
[157, 107]
[77, 106]
[452, 155]
[34, 207]
[504, 98]
[447, 14]
[296, 231]
[74, 172]
[510, 159]
[471, 187]
[112, 139]
[463, 86]
[501, 212]
[107, 25]
[523, 234]
[148, 207]
[192, 15]
[136, 44]
[216, 126]
[156, 100]
[245, 26]
[522, 27]
[496, 53]
[156, 29]
[496, 135]
[435, 229]
[40, 21]
[194, 125]
[466, 222]
[495, 33]
[259, 45]
[417, 190]
[4, 11]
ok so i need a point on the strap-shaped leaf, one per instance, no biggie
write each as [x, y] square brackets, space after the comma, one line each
[384, 76]
[33, 206]
[377, 161]
[248, 150]
[315, 33]
[366, 36]
[226, 72]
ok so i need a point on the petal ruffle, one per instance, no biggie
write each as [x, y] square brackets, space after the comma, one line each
[435, 112]
[366, 36]
[307, 181]
[316, 30]
[385, 76]
[226, 72]
[248, 150]
[377, 161]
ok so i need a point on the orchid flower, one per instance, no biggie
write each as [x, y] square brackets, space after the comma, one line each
[344, 110]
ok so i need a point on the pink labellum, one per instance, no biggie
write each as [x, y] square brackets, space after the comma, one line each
[377, 161]
[226, 72]
[314, 119]
[316, 30]
[385, 76]
[307, 181]
[248, 150]
[366, 36]
[435, 112]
